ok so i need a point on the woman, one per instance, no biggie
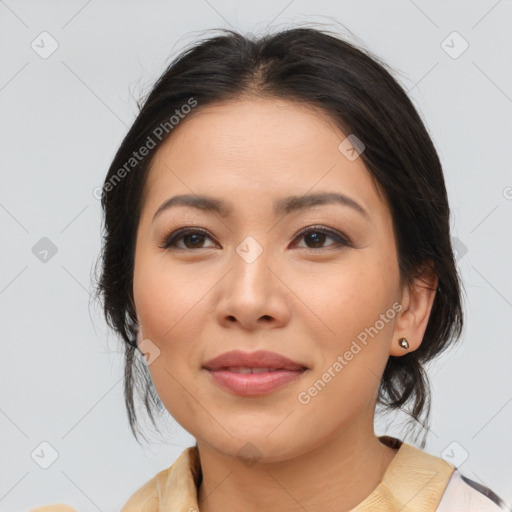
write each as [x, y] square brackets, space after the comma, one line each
[277, 245]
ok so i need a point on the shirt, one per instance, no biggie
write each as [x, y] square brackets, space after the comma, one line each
[414, 481]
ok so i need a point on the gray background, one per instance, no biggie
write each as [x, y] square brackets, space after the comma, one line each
[62, 119]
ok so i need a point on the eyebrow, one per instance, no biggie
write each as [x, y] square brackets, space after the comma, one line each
[282, 206]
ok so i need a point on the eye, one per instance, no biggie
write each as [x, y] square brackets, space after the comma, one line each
[193, 239]
[316, 235]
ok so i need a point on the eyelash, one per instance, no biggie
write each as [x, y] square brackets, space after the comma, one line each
[168, 241]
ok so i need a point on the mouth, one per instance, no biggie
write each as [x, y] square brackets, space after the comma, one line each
[253, 381]
[252, 362]
[253, 374]
[246, 370]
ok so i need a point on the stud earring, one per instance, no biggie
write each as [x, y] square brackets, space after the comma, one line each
[403, 343]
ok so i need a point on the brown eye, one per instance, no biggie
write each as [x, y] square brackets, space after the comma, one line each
[192, 239]
[315, 238]
[195, 239]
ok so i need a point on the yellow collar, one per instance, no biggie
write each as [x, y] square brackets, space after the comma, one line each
[413, 481]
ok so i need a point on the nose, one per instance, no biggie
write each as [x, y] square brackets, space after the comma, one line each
[253, 294]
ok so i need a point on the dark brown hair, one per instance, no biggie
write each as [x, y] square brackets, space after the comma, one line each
[360, 95]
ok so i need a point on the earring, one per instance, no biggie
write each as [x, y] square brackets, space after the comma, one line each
[403, 343]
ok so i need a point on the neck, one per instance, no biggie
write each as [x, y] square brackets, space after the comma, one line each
[335, 476]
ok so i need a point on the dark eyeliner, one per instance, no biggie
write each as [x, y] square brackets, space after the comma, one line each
[337, 237]
[167, 241]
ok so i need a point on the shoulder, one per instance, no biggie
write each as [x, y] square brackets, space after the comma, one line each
[462, 493]
[172, 485]
[147, 497]
[423, 481]
[176, 482]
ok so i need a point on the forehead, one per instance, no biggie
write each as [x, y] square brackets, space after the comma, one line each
[270, 147]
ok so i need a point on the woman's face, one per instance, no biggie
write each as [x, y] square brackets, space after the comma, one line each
[247, 280]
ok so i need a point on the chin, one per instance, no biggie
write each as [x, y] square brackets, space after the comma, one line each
[257, 447]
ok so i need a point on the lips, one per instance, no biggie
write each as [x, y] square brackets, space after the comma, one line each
[244, 369]
[253, 374]
[254, 362]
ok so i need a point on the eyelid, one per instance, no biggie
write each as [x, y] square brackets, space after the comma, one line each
[174, 235]
[339, 237]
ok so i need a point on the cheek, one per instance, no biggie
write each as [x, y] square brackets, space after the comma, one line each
[355, 305]
[166, 297]
[162, 313]
[169, 310]
[350, 298]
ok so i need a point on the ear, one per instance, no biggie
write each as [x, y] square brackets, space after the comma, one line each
[412, 320]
